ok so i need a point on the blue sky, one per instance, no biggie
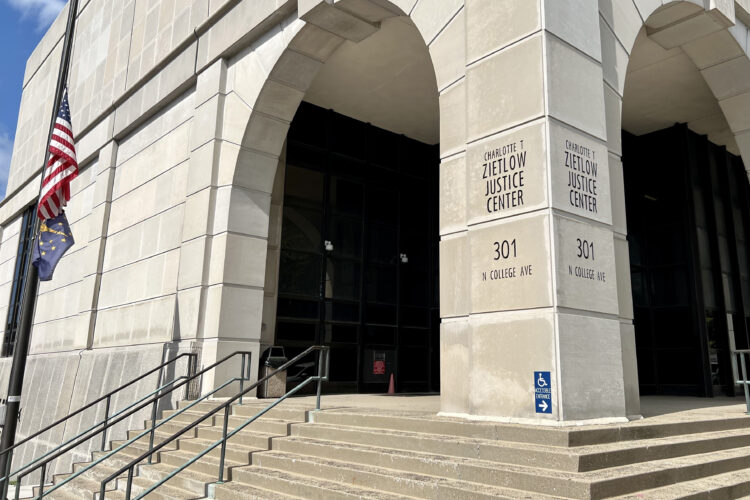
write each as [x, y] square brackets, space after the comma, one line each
[22, 25]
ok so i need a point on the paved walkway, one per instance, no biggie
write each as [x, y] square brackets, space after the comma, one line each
[654, 409]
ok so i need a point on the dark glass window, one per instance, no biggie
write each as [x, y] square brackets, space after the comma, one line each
[13, 320]
[359, 256]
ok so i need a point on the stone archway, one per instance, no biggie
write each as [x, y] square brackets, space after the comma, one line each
[714, 40]
[264, 87]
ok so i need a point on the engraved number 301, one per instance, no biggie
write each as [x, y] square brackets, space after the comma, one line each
[585, 249]
[504, 249]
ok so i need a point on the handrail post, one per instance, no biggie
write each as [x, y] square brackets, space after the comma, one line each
[192, 367]
[104, 426]
[320, 378]
[242, 376]
[153, 428]
[129, 485]
[18, 488]
[41, 480]
[223, 444]
[745, 382]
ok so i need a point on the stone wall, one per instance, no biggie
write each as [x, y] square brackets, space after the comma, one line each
[59, 383]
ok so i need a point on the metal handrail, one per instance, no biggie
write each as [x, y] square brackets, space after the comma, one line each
[127, 443]
[191, 368]
[153, 401]
[324, 352]
[741, 353]
[104, 434]
[99, 400]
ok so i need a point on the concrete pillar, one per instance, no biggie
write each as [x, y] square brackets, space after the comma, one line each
[528, 278]
[98, 230]
[214, 312]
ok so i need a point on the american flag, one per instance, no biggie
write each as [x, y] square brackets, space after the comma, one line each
[62, 166]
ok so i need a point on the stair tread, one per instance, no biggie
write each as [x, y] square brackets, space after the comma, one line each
[424, 455]
[199, 413]
[164, 433]
[644, 429]
[491, 490]
[595, 478]
[169, 490]
[308, 481]
[652, 442]
[659, 450]
[439, 437]
[665, 464]
[703, 485]
[574, 451]
[247, 491]
[592, 476]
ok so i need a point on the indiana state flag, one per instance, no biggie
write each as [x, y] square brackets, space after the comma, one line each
[54, 240]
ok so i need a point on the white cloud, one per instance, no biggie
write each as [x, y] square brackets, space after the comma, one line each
[6, 150]
[45, 11]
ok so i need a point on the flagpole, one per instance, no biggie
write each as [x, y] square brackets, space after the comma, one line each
[21, 350]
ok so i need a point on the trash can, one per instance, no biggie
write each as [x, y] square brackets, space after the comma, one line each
[274, 387]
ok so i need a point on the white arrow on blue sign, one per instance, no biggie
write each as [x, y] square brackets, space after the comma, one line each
[542, 392]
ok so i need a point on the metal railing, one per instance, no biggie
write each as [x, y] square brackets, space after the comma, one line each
[322, 376]
[191, 367]
[741, 354]
[154, 401]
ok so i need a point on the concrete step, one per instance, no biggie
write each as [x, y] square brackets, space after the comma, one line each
[189, 485]
[262, 424]
[82, 486]
[387, 481]
[551, 436]
[301, 486]
[596, 484]
[167, 428]
[581, 459]
[235, 491]
[235, 451]
[247, 436]
[549, 457]
[731, 485]
[660, 473]
[602, 456]
[251, 407]
[176, 456]
[403, 462]
[164, 492]
[136, 448]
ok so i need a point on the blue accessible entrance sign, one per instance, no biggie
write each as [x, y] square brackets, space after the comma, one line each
[542, 392]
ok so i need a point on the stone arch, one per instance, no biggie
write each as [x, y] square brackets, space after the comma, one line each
[267, 81]
[713, 38]
[715, 41]
[290, 56]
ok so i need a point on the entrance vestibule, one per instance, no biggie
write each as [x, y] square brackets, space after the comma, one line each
[688, 211]
[358, 259]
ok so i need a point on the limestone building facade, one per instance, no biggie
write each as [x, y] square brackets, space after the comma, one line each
[438, 189]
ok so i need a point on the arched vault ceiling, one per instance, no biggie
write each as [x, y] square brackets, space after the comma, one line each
[386, 79]
[664, 87]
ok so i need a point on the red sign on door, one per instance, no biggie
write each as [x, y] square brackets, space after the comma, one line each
[378, 367]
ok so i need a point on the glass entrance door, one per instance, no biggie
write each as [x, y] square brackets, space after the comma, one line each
[358, 268]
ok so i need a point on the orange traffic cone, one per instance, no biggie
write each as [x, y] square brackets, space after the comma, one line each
[391, 386]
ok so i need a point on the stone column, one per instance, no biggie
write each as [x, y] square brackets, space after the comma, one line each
[528, 280]
[98, 228]
[213, 311]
